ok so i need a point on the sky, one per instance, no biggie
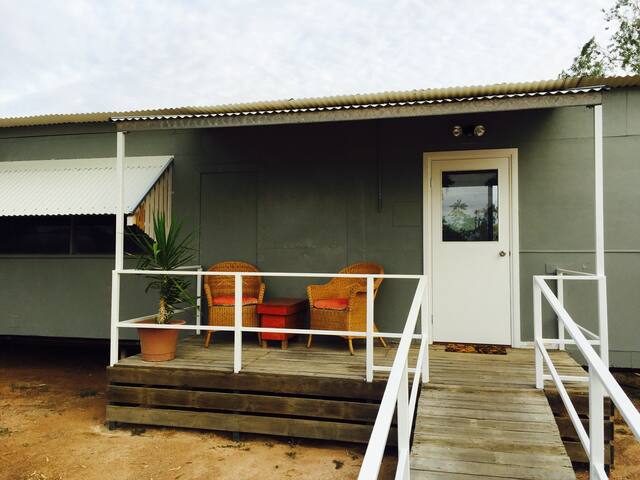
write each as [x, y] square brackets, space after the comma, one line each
[68, 56]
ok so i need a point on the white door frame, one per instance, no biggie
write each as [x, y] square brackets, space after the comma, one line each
[514, 248]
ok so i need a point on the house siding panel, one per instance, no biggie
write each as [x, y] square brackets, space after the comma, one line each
[321, 204]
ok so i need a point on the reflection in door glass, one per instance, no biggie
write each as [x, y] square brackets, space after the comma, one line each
[470, 206]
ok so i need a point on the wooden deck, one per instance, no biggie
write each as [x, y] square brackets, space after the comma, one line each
[312, 393]
[327, 357]
[479, 417]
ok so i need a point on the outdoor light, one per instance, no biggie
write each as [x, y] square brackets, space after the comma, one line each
[468, 131]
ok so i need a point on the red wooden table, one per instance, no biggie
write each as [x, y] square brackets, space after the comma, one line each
[281, 313]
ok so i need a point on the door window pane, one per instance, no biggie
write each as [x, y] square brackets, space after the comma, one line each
[470, 206]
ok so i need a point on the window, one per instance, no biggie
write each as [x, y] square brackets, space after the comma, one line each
[470, 206]
[60, 234]
[34, 234]
[94, 234]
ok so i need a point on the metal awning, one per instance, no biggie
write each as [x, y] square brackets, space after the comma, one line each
[83, 186]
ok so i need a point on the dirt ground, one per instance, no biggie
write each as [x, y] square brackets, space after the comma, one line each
[52, 406]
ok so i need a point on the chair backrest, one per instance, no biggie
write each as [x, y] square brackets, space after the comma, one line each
[225, 285]
[361, 267]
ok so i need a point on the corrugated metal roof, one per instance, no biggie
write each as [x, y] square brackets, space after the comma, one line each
[75, 187]
[177, 116]
[500, 90]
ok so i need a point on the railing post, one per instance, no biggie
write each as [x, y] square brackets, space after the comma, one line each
[561, 299]
[603, 320]
[596, 424]
[404, 425]
[115, 318]
[424, 329]
[369, 333]
[537, 333]
[198, 299]
[237, 332]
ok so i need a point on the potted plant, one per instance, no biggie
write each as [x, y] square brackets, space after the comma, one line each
[168, 251]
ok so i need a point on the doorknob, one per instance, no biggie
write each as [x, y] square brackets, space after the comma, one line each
[502, 253]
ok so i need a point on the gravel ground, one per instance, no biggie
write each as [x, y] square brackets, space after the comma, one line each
[52, 404]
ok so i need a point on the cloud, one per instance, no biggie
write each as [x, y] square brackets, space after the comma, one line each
[81, 55]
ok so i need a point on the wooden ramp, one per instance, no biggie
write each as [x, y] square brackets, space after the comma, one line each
[484, 419]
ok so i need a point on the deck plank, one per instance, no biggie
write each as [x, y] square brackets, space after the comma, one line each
[481, 417]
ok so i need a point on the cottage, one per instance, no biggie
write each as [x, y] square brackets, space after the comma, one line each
[462, 195]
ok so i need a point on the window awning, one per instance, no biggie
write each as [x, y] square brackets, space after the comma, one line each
[85, 186]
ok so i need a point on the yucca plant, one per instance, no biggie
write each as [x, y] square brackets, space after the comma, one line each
[169, 251]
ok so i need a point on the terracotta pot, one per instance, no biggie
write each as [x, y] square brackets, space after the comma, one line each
[159, 345]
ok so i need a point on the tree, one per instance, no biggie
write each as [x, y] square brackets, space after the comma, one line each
[622, 54]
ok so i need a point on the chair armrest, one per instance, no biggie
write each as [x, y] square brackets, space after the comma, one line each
[358, 293]
[319, 292]
[207, 292]
[263, 287]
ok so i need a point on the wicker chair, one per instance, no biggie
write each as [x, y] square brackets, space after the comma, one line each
[341, 304]
[220, 291]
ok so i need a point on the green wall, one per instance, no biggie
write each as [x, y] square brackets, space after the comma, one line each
[305, 198]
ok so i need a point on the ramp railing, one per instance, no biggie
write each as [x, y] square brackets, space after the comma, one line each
[397, 397]
[601, 382]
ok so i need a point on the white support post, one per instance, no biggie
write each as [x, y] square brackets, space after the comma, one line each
[404, 426]
[369, 333]
[426, 333]
[603, 323]
[237, 333]
[596, 425]
[199, 301]
[537, 333]
[115, 318]
[119, 251]
[561, 299]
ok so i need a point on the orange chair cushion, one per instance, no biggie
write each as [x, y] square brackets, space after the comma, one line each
[332, 303]
[231, 300]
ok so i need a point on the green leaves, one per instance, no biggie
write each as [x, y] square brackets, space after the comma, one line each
[170, 250]
[591, 62]
[625, 42]
[622, 54]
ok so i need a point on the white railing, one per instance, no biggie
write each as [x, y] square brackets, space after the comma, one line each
[197, 268]
[565, 274]
[601, 382]
[239, 328]
[396, 394]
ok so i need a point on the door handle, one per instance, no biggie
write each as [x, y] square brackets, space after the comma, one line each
[502, 253]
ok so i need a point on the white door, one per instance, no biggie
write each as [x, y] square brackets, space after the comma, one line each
[470, 250]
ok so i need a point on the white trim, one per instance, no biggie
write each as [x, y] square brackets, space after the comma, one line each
[514, 258]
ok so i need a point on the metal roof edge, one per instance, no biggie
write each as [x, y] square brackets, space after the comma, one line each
[463, 93]
[151, 183]
[576, 90]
